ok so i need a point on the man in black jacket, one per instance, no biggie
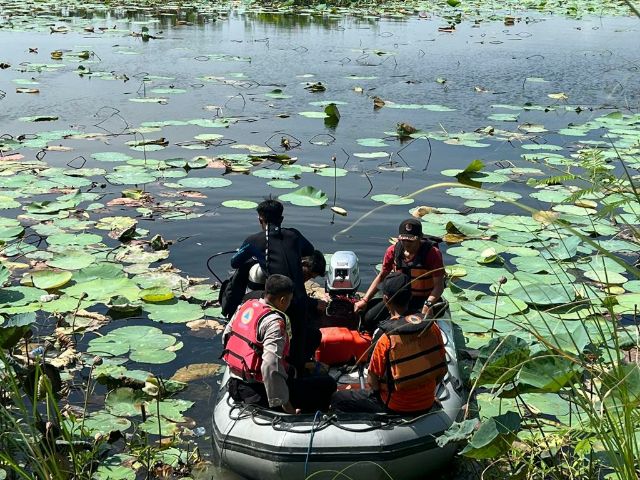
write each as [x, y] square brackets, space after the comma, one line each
[280, 250]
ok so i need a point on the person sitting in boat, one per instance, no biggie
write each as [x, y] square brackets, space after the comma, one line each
[420, 259]
[313, 266]
[408, 360]
[256, 347]
[280, 250]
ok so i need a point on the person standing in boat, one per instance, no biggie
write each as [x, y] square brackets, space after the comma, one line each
[280, 250]
[408, 360]
[256, 346]
[420, 259]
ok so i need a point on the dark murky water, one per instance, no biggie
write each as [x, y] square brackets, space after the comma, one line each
[594, 62]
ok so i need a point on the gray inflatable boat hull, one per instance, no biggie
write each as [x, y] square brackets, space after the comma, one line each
[265, 445]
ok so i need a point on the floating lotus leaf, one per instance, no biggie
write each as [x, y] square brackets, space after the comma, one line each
[113, 468]
[98, 270]
[392, 199]
[49, 279]
[370, 155]
[156, 294]
[141, 342]
[71, 260]
[332, 172]
[176, 311]
[104, 423]
[161, 279]
[240, 204]
[130, 177]
[314, 114]
[305, 197]
[204, 182]
[138, 254]
[282, 184]
[124, 402]
[498, 307]
[111, 157]
[281, 174]
[81, 239]
[151, 426]
[103, 289]
[542, 294]
[606, 277]
[202, 292]
[372, 142]
[19, 296]
[196, 371]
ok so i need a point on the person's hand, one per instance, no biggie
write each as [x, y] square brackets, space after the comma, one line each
[426, 311]
[359, 305]
[288, 408]
[322, 305]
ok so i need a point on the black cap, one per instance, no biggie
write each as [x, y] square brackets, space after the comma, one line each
[410, 229]
[395, 283]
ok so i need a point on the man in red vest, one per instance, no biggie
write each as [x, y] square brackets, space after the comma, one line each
[256, 347]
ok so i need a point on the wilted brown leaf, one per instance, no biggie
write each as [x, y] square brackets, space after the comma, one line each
[196, 371]
[205, 328]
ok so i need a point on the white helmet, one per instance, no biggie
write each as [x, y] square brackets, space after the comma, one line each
[257, 277]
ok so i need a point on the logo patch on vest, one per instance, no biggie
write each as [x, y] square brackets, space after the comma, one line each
[247, 316]
[413, 319]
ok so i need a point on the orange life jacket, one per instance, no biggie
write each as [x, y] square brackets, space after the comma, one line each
[242, 350]
[421, 274]
[416, 353]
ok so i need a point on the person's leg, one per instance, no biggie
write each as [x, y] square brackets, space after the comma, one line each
[312, 342]
[297, 313]
[311, 393]
[362, 401]
[250, 393]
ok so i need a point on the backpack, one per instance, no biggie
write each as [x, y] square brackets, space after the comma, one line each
[233, 289]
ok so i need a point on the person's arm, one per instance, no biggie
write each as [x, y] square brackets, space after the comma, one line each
[227, 330]
[272, 330]
[436, 265]
[377, 364]
[387, 267]
[246, 251]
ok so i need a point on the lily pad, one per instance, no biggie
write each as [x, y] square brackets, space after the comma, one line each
[306, 197]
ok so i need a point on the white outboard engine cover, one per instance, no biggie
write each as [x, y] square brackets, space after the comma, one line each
[343, 276]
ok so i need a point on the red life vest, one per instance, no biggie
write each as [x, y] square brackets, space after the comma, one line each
[417, 269]
[242, 351]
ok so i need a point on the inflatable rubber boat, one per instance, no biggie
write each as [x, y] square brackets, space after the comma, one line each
[263, 445]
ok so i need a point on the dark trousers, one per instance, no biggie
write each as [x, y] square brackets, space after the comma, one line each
[309, 394]
[363, 401]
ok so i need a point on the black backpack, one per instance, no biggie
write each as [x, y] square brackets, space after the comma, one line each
[233, 289]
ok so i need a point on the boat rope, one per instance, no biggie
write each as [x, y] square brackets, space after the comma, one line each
[306, 459]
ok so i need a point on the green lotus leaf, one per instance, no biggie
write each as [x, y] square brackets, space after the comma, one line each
[103, 289]
[113, 468]
[500, 360]
[156, 294]
[161, 279]
[281, 174]
[494, 437]
[314, 114]
[202, 292]
[49, 279]
[606, 277]
[370, 155]
[542, 294]
[124, 402]
[494, 307]
[98, 270]
[306, 197]
[282, 184]
[372, 142]
[20, 296]
[81, 239]
[103, 423]
[111, 157]
[176, 311]
[155, 426]
[138, 254]
[332, 172]
[204, 182]
[240, 204]
[548, 373]
[392, 199]
[71, 260]
[152, 356]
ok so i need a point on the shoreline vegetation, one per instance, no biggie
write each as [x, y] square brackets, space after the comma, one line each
[544, 297]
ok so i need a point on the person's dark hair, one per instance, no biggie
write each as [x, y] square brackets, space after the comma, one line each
[271, 211]
[397, 287]
[316, 263]
[278, 285]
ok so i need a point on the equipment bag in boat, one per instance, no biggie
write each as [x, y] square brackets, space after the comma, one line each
[339, 345]
[233, 289]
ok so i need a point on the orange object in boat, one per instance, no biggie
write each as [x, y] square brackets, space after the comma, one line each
[339, 345]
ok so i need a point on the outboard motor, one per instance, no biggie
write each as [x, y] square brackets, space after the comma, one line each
[343, 280]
